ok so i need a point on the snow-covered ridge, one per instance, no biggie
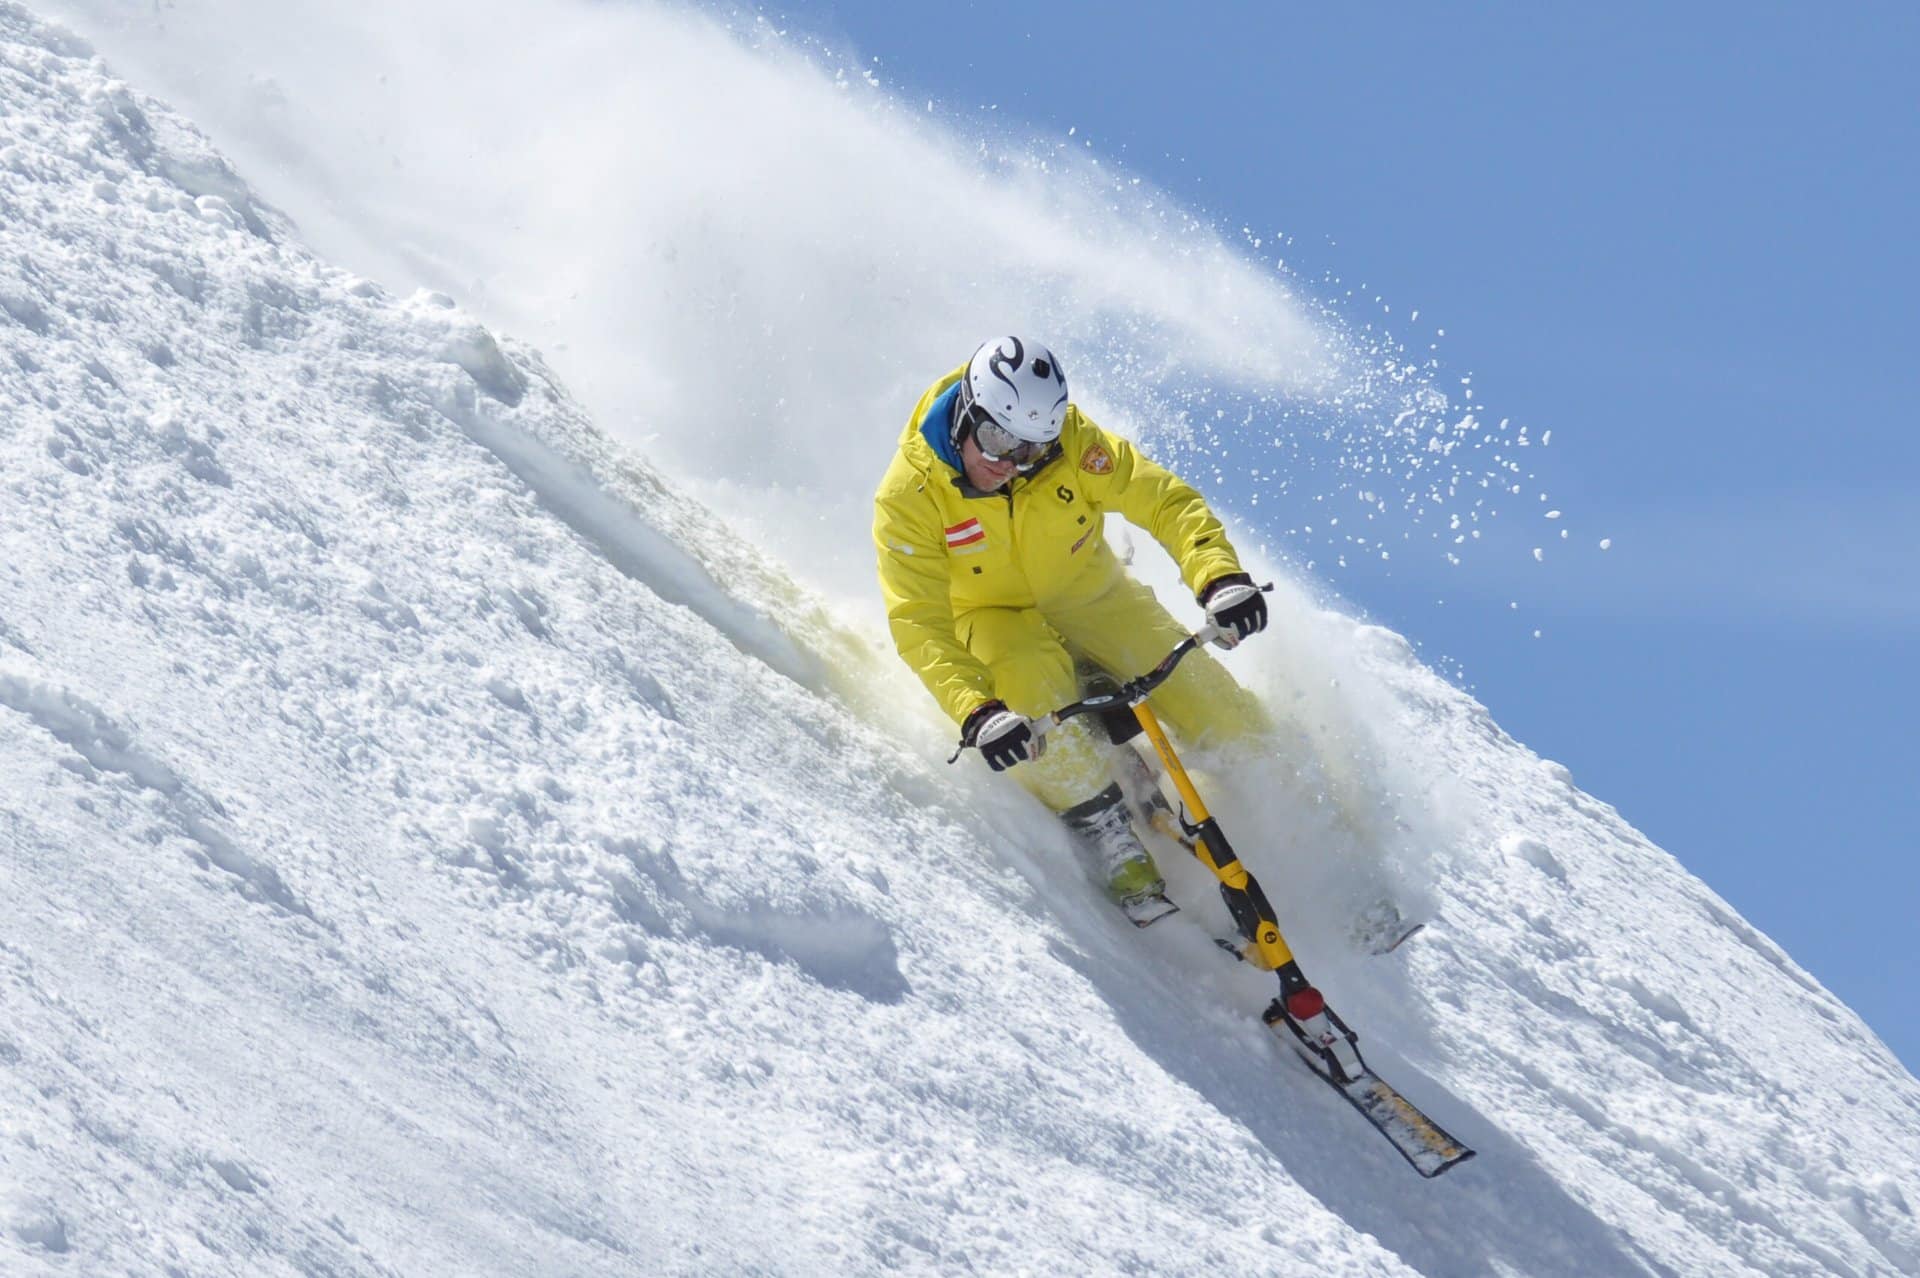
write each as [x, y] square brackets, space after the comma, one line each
[433, 845]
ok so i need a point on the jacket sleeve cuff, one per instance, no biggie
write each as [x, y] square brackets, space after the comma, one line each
[1229, 579]
[975, 716]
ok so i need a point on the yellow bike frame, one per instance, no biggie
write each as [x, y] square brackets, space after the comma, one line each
[1266, 948]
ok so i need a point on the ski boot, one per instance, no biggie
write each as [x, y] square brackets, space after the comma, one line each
[1150, 805]
[1133, 880]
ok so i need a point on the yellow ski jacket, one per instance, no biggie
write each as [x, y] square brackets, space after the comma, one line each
[945, 547]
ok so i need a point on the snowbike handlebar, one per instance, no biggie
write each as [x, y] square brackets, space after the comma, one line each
[1131, 693]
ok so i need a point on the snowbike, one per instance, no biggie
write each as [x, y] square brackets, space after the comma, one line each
[1299, 1016]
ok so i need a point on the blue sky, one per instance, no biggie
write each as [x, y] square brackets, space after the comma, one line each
[1680, 237]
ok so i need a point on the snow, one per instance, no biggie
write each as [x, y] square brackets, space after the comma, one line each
[438, 844]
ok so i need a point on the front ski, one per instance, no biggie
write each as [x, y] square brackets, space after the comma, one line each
[1331, 1050]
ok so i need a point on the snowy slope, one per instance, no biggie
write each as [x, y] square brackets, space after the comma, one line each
[434, 845]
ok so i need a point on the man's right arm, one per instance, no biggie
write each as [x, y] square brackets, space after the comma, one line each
[915, 585]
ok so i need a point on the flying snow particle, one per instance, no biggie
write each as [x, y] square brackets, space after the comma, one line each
[1606, 543]
[1538, 554]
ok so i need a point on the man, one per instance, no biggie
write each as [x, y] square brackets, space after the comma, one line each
[996, 573]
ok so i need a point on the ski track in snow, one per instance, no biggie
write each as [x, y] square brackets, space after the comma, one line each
[434, 845]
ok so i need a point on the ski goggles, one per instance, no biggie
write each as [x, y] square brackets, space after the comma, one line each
[998, 444]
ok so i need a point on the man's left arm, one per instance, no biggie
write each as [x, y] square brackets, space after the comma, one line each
[1118, 476]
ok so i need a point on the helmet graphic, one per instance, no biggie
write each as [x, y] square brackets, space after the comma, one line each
[1018, 386]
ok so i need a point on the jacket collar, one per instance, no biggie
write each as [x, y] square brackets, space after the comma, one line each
[937, 428]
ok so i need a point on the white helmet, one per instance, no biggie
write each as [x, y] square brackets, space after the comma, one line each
[1018, 386]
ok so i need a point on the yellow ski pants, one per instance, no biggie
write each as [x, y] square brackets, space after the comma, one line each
[1030, 652]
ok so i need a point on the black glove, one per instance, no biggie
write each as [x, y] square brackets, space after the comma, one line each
[1236, 606]
[1002, 736]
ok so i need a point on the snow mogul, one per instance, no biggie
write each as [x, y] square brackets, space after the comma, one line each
[1000, 587]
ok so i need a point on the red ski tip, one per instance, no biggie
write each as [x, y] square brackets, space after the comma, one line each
[1304, 1005]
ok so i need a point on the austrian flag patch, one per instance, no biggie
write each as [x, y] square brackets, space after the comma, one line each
[966, 533]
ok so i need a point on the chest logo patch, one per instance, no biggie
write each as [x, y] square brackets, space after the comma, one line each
[1097, 460]
[966, 537]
